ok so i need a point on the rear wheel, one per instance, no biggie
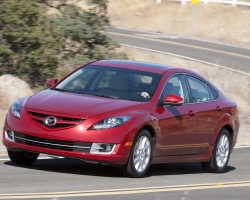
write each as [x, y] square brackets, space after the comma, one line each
[22, 158]
[140, 155]
[221, 154]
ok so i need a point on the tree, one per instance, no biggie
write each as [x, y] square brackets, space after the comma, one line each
[35, 46]
[83, 33]
[29, 41]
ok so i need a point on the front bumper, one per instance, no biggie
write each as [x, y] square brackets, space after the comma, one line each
[77, 135]
[119, 156]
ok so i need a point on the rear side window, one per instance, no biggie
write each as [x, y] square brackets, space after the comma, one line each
[215, 93]
[210, 92]
[199, 90]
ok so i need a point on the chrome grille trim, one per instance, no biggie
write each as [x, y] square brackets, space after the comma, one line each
[62, 121]
[52, 143]
[62, 145]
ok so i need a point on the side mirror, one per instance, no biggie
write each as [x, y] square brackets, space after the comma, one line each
[173, 100]
[51, 82]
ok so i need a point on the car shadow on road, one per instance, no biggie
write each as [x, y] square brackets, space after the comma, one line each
[71, 166]
[179, 168]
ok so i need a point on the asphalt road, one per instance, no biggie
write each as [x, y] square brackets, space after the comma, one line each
[225, 55]
[74, 179]
[60, 178]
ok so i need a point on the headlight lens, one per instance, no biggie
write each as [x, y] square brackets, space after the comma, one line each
[15, 109]
[111, 122]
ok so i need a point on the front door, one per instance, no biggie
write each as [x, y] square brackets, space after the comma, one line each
[176, 122]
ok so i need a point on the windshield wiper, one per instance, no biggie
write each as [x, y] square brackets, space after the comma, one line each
[126, 98]
[60, 90]
[102, 95]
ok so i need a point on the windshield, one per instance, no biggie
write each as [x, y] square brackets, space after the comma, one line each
[111, 83]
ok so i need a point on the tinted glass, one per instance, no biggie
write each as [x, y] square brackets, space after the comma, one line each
[112, 82]
[210, 93]
[176, 85]
[199, 90]
[215, 93]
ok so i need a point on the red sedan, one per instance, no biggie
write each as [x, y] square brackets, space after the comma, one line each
[125, 113]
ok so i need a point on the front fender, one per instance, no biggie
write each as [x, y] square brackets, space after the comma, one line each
[148, 120]
[23, 101]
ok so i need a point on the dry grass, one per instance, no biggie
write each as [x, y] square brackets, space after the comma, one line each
[234, 85]
[221, 22]
[213, 21]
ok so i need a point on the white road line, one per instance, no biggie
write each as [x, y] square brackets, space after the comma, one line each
[184, 37]
[188, 58]
[216, 42]
[125, 191]
[157, 36]
[239, 147]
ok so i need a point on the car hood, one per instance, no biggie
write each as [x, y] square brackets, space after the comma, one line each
[75, 104]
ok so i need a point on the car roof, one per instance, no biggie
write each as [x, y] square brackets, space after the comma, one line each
[136, 65]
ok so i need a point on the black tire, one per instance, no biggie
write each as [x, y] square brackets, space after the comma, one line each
[129, 169]
[22, 157]
[212, 166]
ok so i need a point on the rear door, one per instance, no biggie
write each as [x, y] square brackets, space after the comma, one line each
[207, 114]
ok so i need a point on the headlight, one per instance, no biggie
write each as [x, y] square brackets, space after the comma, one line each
[111, 122]
[15, 109]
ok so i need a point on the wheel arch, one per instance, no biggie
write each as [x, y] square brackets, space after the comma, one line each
[230, 130]
[152, 132]
[150, 129]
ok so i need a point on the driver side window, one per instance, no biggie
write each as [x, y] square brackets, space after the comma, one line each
[176, 85]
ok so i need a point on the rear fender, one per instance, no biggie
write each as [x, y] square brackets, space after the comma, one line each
[225, 119]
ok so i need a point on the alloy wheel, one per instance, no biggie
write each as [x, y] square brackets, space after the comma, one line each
[142, 152]
[222, 151]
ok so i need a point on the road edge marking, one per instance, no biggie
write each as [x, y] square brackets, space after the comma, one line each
[185, 57]
[184, 37]
[180, 44]
[126, 191]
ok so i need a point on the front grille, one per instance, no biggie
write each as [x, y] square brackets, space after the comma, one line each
[62, 122]
[52, 144]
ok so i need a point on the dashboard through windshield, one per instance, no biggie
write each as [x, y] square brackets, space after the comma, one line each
[111, 83]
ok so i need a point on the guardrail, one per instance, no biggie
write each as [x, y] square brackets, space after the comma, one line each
[232, 2]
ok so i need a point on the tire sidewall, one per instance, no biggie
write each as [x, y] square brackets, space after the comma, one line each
[29, 159]
[214, 162]
[19, 157]
[131, 168]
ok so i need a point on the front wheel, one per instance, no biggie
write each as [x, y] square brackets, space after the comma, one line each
[221, 154]
[140, 155]
[22, 158]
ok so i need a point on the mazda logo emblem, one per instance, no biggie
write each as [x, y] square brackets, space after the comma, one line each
[50, 121]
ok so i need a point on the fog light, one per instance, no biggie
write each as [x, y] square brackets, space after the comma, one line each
[106, 148]
[98, 148]
[9, 135]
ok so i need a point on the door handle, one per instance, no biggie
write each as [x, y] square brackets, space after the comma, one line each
[218, 108]
[191, 113]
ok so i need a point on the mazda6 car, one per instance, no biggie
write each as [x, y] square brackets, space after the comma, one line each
[125, 113]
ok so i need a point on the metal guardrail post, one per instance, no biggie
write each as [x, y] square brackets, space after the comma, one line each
[234, 2]
[230, 2]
